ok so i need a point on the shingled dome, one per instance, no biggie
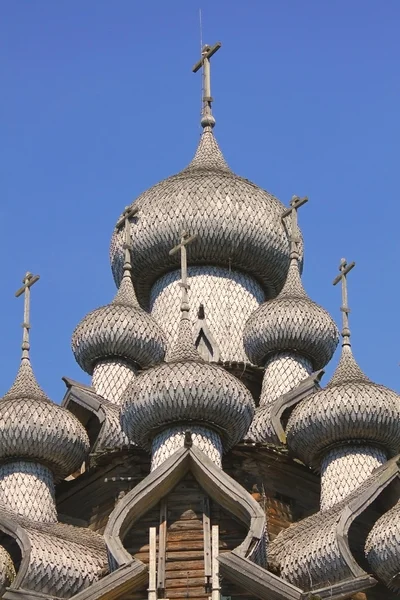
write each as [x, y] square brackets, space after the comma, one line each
[32, 427]
[350, 409]
[291, 322]
[186, 390]
[238, 224]
[120, 329]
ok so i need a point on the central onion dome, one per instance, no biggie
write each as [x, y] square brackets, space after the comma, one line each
[33, 428]
[239, 224]
[291, 322]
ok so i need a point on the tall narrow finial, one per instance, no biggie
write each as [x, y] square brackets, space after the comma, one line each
[207, 119]
[295, 204]
[130, 211]
[344, 269]
[185, 240]
[28, 282]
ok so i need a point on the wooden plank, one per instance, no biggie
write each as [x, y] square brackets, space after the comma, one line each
[162, 542]
[152, 592]
[207, 541]
[215, 593]
[184, 582]
[193, 565]
[181, 574]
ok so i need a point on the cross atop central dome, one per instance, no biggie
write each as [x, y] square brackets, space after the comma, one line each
[239, 223]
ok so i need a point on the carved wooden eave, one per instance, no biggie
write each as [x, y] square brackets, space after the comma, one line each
[271, 415]
[128, 578]
[267, 586]
[84, 403]
[76, 551]
[316, 550]
[219, 486]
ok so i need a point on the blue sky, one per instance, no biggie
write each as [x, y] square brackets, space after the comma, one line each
[99, 102]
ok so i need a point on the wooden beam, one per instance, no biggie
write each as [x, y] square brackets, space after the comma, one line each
[207, 542]
[152, 591]
[162, 547]
[215, 594]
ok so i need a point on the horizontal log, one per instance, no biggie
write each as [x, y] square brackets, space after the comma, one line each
[194, 565]
[197, 592]
[190, 524]
[185, 582]
[191, 573]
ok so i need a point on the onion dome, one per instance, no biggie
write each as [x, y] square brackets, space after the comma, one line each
[382, 548]
[120, 329]
[32, 427]
[291, 322]
[239, 224]
[186, 390]
[351, 409]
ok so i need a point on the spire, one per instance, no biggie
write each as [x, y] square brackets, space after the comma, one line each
[28, 282]
[25, 383]
[293, 285]
[184, 348]
[344, 269]
[207, 119]
[126, 292]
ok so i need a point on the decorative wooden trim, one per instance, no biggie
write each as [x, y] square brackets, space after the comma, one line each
[128, 578]
[162, 547]
[256, 580]
[342, 590]
[207, 542]
[304, 389]
[217, 484]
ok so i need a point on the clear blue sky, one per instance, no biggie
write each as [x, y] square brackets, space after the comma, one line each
[99, 102]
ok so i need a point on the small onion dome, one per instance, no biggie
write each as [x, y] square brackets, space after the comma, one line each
[382, 548]
[351, 409]
[34, 428]
[238, 225]
[186, 390]
[120, 329]
[291, 322]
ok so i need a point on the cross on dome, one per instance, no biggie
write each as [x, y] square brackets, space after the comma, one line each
[344, 269]
[207, 119]
[295, 204]
[185, 240]
[29, 280]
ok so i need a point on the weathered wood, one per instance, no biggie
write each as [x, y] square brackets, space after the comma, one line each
[126, 579]
[215, 565]
[207, 541]
[255, 579]
[194, 565]
[152, 592]
[162, 547]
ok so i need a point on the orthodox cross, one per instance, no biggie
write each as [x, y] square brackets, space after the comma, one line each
[28, 282]
[295, 204]
[344, 269]
[129, 212]
[206, 53]
[185, 240]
